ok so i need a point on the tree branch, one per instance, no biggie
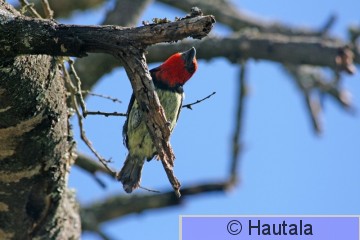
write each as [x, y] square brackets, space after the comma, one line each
[36, 36]
[229, 15]
[274, 47]
[313, 85]
[225, 13]
[237, 145]
[114, 207]
[354, 32]
[91, 166]
[106, 114]
[189, 105]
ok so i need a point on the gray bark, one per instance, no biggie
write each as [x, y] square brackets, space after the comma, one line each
[35, 152]
[35, 149]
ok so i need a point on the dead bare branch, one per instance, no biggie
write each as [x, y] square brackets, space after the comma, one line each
[232, 17]
[189, 106]
[38, 36]
[237, 146]
[252, 45]
[90, 165]
[87, 92]
[26, 5]
[274, 47]
[75, 92]
[354, 32]
[114, 207]
[106, 114]
[49, 13]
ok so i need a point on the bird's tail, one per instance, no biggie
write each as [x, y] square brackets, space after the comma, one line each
[130, 174]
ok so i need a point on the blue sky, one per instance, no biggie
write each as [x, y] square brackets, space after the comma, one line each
[286, 168]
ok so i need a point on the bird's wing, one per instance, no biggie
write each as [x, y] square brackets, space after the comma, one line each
[180, 107]
[125, 127]
[131, 103]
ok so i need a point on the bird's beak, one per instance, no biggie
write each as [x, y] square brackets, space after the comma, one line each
[189, 56]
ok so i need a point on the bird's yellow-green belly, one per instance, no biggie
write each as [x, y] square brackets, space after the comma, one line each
[139, 140]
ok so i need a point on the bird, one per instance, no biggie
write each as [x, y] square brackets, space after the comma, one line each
[168, 79]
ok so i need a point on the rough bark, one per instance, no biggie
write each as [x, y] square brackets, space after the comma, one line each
[37, 36]
[34, 151]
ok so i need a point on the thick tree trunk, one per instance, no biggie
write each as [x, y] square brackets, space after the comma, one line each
[35, 150]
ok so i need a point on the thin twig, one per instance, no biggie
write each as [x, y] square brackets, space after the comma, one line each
[78, 87]
[106, 114]
[237, 145]
[91, 166]
[149, 190]
[328, 24]
[314, 109]
[101, 95]
[354, 32]
[307, 78]
[313, 85]
[26, 5]
[334, 90]
[49, 13]
[80, 118]
[171, 176]
[87, 141]
[189, 106]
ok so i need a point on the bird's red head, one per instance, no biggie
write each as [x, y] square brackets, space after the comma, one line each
[176, 70]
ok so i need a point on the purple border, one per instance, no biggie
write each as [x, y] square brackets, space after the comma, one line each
[309, 228]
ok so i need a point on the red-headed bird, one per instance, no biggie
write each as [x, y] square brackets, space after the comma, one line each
[168, 79]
